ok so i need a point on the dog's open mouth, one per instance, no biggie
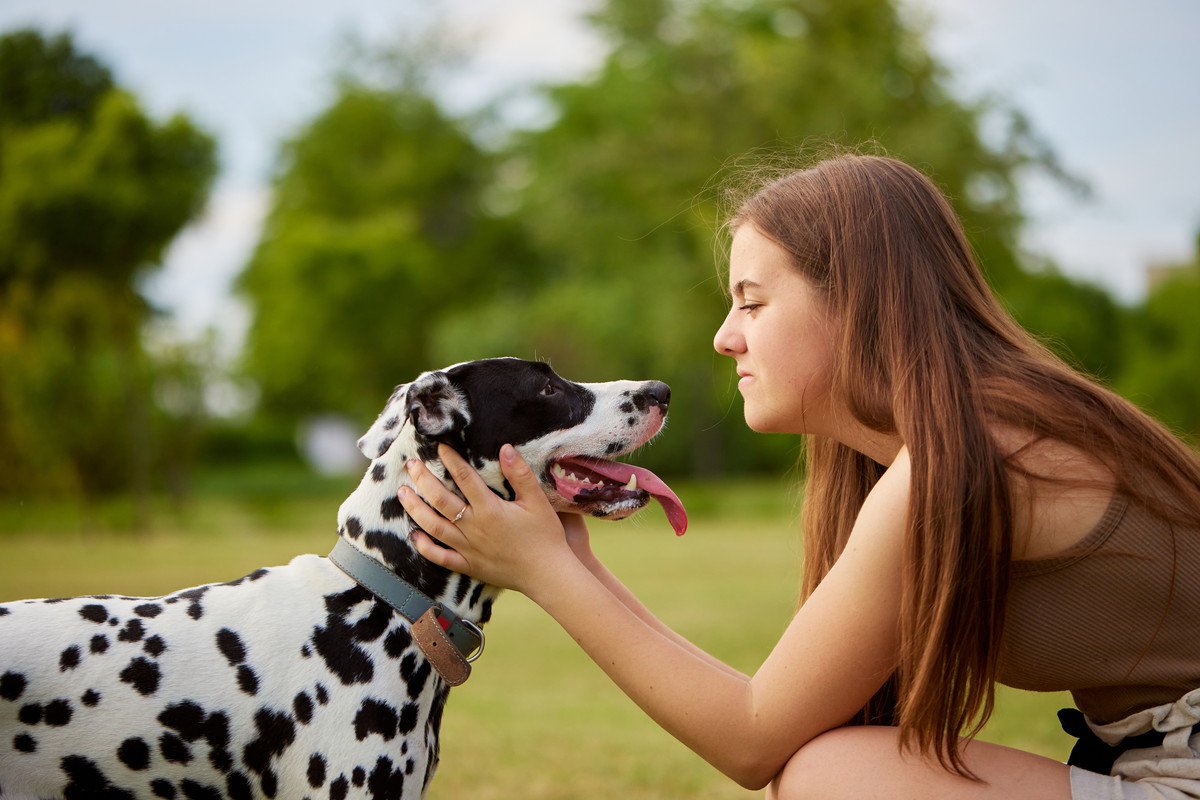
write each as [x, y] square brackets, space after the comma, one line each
[589, 481]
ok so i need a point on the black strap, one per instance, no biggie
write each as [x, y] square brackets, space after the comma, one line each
[1091, 752]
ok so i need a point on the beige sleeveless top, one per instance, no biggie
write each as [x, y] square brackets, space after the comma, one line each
[1115, 620]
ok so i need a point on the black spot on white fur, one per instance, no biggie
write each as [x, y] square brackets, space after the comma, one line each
[149, 610]
[174, 750]
[94, 612]
[415, 673]
[12, 684]
[335, 641]
[69, 659]
[391, 508]
[275, 733]
[85, 779]
[302, 707]
[134, 753]
[247, 680]
[58, 713]
[143, 675]
[163, 788]
[316, 771]
[132, 632]
[230, 645]
[376, 716]
[397, 642]
[385, 780]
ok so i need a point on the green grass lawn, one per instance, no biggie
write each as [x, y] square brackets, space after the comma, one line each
[537, 719]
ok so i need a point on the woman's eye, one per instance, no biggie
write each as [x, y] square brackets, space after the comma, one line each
[749, 306]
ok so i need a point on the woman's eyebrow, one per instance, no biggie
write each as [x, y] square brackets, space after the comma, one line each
[741, 286]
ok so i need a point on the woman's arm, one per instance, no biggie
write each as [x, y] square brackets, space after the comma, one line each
[833, 656]
[577, 537]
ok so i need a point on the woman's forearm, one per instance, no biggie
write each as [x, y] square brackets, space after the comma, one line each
[631, 601]
[706, 705]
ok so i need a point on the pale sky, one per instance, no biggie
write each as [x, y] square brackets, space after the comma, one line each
[1113, 87]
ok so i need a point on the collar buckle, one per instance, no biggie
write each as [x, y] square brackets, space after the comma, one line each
[475, 629]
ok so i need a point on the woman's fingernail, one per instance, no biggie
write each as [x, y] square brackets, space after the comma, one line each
[411, 466]
[507, 452]
[403, 493]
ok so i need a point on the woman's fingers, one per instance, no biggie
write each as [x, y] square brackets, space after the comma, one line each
[428, 519]
[442, 556]
[433, 491]
[519, 475]
[464, 475]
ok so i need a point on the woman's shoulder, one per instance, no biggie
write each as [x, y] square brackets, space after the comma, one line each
[889, 496]
[1060, 493]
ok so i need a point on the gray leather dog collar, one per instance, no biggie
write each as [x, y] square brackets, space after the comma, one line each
[401, 595]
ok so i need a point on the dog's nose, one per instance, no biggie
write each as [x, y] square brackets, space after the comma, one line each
[657, 393]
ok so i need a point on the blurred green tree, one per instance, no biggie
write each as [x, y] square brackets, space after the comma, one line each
[45, 77]
[1079, 320]
[378, 227]
[92, 192]
[1162, 371]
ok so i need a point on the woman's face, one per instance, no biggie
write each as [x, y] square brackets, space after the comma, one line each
[779, 334]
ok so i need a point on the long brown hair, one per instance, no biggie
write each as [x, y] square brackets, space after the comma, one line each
[930, 355]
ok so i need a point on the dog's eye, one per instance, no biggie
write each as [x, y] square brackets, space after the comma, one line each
[549, 390]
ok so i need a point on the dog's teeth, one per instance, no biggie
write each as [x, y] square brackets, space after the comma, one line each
[559, 471]
[632, 483]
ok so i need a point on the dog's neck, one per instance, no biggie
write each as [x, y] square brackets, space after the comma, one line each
[373, 520]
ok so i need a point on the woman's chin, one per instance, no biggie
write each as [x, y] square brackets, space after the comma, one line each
[761, 421]
[762, 424]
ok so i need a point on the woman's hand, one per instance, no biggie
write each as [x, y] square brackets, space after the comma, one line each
[504, 543]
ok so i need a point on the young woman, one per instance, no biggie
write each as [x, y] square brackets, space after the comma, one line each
[975, 512]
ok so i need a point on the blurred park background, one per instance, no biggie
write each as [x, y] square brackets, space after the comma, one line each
[572, 219]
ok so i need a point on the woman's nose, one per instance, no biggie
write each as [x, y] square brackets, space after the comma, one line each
[727, 340]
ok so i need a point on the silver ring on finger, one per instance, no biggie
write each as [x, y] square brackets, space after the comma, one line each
[460, 514]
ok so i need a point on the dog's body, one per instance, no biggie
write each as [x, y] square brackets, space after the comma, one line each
[295, 681]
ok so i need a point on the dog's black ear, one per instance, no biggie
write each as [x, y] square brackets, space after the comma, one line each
[379, 437]
[435, 406]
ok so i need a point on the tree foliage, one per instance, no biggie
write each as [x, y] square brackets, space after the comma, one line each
[378, 227]
[91, 192]
[1162, 371]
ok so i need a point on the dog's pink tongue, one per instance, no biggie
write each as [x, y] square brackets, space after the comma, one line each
[620, 473]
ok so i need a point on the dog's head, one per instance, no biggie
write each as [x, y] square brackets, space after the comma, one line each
[567, 432]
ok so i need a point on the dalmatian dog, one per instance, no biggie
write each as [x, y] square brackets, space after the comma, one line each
[296, 681]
